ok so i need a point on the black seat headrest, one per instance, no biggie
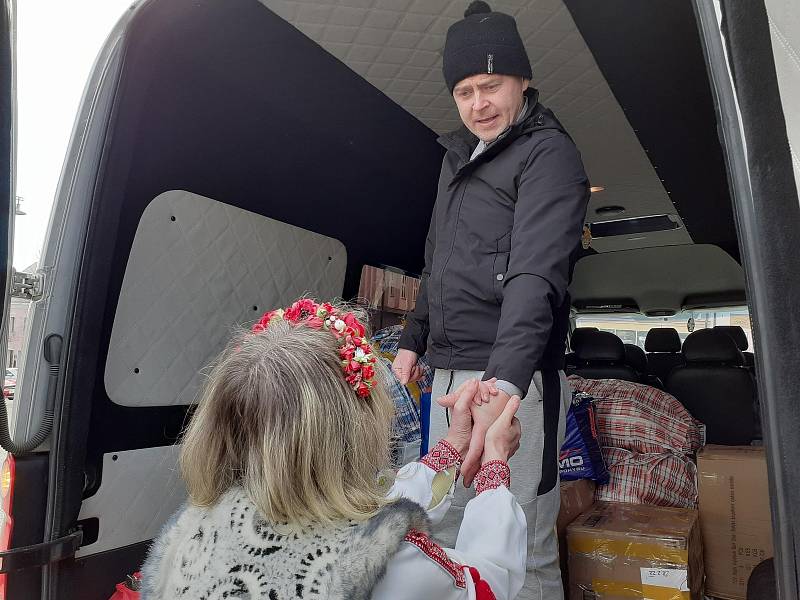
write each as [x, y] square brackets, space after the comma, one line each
[737, 333]
[711, 346]
[663, 339]
[600, 346]
[636, 358]
[577, 335]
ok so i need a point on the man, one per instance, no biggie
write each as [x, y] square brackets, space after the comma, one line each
[493, 302]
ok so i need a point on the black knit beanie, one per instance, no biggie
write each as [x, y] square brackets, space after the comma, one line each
[484, 42]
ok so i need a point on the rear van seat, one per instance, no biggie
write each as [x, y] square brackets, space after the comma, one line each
[601, 355]
[571, 359]
[636, 358]
[740, 337]
[715, 387]
[663, 346]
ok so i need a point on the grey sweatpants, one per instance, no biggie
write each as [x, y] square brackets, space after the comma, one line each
[534, 481]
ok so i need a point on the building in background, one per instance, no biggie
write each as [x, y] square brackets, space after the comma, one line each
[17, 325]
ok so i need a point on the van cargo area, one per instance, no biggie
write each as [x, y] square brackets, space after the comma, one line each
[231, 156]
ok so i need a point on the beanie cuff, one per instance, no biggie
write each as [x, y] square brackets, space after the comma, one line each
[485, 59]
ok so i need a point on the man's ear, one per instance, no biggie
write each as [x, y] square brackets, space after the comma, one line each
[525, 83]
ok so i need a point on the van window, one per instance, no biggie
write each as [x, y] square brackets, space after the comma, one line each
[633, 328]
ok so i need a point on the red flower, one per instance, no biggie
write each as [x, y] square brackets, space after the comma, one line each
[351, 321]
[258, 328]
[309, 306]
[300, 310]
[367, 372]
[314, 322]
[362, 389]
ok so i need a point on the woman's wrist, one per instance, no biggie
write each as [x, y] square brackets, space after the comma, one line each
[442, 456]
[493, 454]
[492, 475]
[460, 445]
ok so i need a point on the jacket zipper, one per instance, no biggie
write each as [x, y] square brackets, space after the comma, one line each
[444, 268]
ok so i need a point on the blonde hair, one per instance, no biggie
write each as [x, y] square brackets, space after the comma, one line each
[277, 417]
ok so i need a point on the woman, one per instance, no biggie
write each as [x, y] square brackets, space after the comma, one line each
[282, 461]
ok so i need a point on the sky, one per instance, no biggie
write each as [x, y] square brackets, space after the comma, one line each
[57, 43]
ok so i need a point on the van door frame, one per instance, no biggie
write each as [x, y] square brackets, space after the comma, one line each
[8, 126]
[752, 127]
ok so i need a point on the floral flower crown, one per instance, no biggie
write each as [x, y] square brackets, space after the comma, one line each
[358, 360]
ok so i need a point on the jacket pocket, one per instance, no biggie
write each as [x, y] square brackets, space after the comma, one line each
[500, 266]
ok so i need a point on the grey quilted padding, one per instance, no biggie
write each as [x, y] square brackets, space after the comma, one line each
[141, 489]
[197, 269]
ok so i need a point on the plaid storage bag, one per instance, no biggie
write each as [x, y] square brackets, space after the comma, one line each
[647, 439]
[641, 418]
[661, 479]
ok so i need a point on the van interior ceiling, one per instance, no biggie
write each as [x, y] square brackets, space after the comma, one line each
[323, 115]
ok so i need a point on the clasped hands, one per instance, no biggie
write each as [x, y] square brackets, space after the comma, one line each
[482, 422]
[482, 425]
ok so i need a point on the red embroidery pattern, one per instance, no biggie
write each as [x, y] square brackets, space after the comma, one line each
[492, 475]
[483, 590]
[435, 552]
[441, 457]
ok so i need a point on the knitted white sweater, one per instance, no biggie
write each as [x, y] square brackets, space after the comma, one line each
[230, 551]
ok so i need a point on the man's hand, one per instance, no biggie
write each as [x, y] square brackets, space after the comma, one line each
[486, 390]
[460, 402]
[502, 438]
[405, 366]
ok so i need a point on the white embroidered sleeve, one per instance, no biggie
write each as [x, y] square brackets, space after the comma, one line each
[430, 482]
[491, 550]
[420, 569]
[493, 539]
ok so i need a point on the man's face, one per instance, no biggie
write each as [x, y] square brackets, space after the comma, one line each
[489, 103]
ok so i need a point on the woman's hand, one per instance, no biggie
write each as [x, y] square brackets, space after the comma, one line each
[459, 403]
[502, 437]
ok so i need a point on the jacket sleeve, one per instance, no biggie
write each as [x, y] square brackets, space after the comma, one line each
[415, 332]
[553, 193]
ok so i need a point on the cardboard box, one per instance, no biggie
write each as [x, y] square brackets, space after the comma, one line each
[576, 497]
[370, 288]
[735, 516]
[387, 289]
[621, 551]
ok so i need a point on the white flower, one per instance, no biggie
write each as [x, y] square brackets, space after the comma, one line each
[360, 356]
[339, 325]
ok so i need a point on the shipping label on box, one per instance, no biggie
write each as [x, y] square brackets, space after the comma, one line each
[735, 516]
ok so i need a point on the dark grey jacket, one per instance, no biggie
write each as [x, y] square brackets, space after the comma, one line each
[501, 247]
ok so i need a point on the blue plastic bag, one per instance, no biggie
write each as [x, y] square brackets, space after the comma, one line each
[580, 456]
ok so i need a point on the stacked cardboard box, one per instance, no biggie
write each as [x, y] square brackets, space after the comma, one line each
[734, 516]
[621, 551]
[387, 289]
[576, 497]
